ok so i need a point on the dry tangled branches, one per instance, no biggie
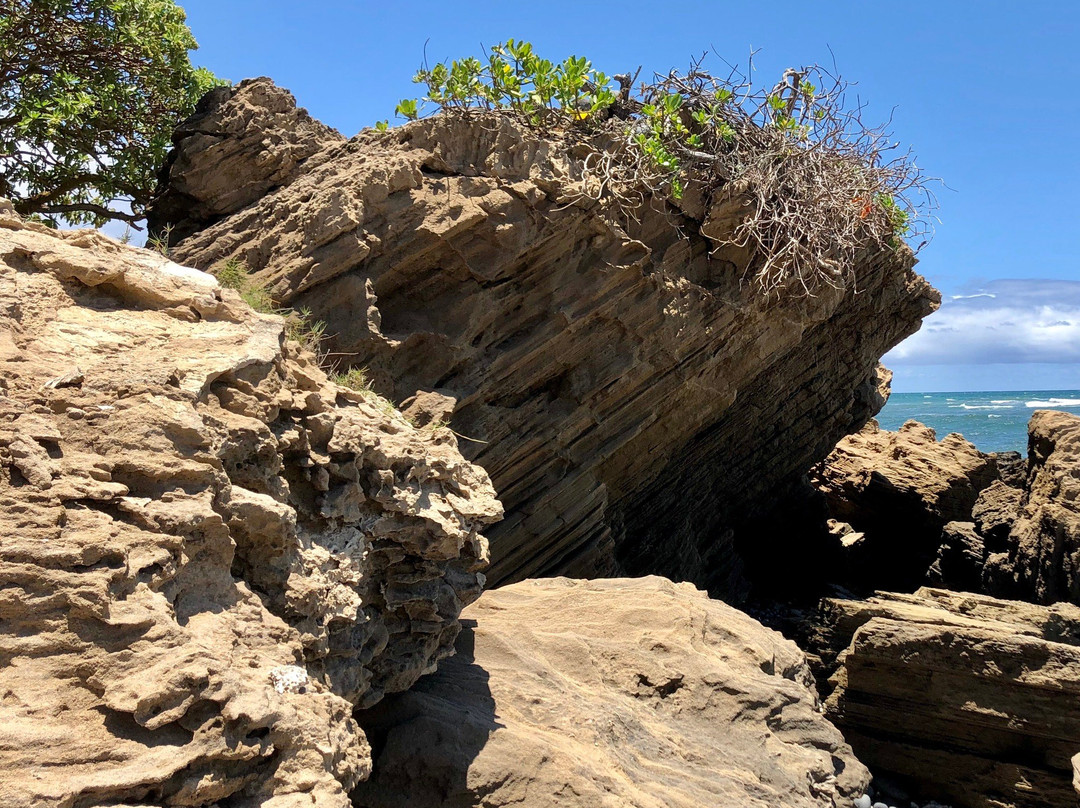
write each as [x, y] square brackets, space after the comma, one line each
[810, 184]
[814, 186]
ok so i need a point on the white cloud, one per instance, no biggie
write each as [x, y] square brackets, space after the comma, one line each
[1004, 322]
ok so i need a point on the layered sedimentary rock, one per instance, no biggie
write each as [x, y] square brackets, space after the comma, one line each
[208, 552]
[1042, 560]
[235, 153]
[633, 399]
[614, 692]
[898, 490]
[965, 698]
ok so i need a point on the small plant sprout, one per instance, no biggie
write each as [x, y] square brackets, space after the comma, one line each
[353, 378]
[159, 242]
[234, 274]
[299, 325]
[407, 108]
[813, 184]
[309, 333]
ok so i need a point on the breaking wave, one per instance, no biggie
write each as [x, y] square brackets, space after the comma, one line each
[1052, 403]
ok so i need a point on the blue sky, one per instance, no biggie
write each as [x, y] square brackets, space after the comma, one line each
[983, 91]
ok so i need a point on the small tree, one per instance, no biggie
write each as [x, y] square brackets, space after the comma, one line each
[90, 91]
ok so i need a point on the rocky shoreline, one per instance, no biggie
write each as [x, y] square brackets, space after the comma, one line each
[229, 577]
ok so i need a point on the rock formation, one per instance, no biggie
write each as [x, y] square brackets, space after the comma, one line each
[897, 491]
[1042, 561]
[971, 700]
[1013, 468]
[613, 692]
[633, 400]
[208, 552]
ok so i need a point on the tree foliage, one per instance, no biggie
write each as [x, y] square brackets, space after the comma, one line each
[90, 91]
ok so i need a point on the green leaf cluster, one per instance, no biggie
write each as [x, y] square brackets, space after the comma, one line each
[668, 127]
[90, 91]
[515, 78]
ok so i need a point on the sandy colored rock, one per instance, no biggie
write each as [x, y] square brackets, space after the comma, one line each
[1013, 468]
[900, 489]
[632, 398]
[236, 153]
[967, 699]
[626, 692]
[995, 511]
[208, 552]
[960, 558]
[1043, 556]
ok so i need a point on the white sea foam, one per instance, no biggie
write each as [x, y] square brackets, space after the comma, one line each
[1004, 401]
[991, 415]
[982, 406]
[1055, 402]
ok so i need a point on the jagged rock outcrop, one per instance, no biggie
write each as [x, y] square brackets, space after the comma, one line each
[234, 153]
[960, 558]
[899, 490]
[633, 400]
[1013, 468]
[964, 698]
[1042, 560]
[208, 552]
[613, 692]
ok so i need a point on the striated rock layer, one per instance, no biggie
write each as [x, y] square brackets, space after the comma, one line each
[610, 693]
[971, 700]
[631, 397]
[208, 552]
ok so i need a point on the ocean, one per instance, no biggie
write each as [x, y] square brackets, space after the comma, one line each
[993, 421]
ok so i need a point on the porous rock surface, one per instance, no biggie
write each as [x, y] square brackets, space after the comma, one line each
[969, 699]
[899, 490]
[609, 693]
[1042, 558]
[633, 399]
[208, 552]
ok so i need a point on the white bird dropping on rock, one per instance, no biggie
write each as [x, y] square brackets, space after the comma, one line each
[288, 678]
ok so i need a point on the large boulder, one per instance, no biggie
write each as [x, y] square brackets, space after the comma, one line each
[610, 693]
[898, 490]
[963, 698]
[209, 553]
[632, 397]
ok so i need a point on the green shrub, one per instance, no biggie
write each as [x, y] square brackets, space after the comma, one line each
[812, 178]
[234, 274]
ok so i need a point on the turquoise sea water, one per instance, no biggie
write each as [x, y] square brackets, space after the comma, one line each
[993, 421]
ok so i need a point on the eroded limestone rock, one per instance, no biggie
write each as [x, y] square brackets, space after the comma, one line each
[208, 552]
[1042, 561]
[614, 692]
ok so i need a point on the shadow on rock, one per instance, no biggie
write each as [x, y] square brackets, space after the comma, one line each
[424, 740]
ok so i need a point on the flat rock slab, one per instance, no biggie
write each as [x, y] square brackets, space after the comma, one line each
[975, 699]
[623, 692]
